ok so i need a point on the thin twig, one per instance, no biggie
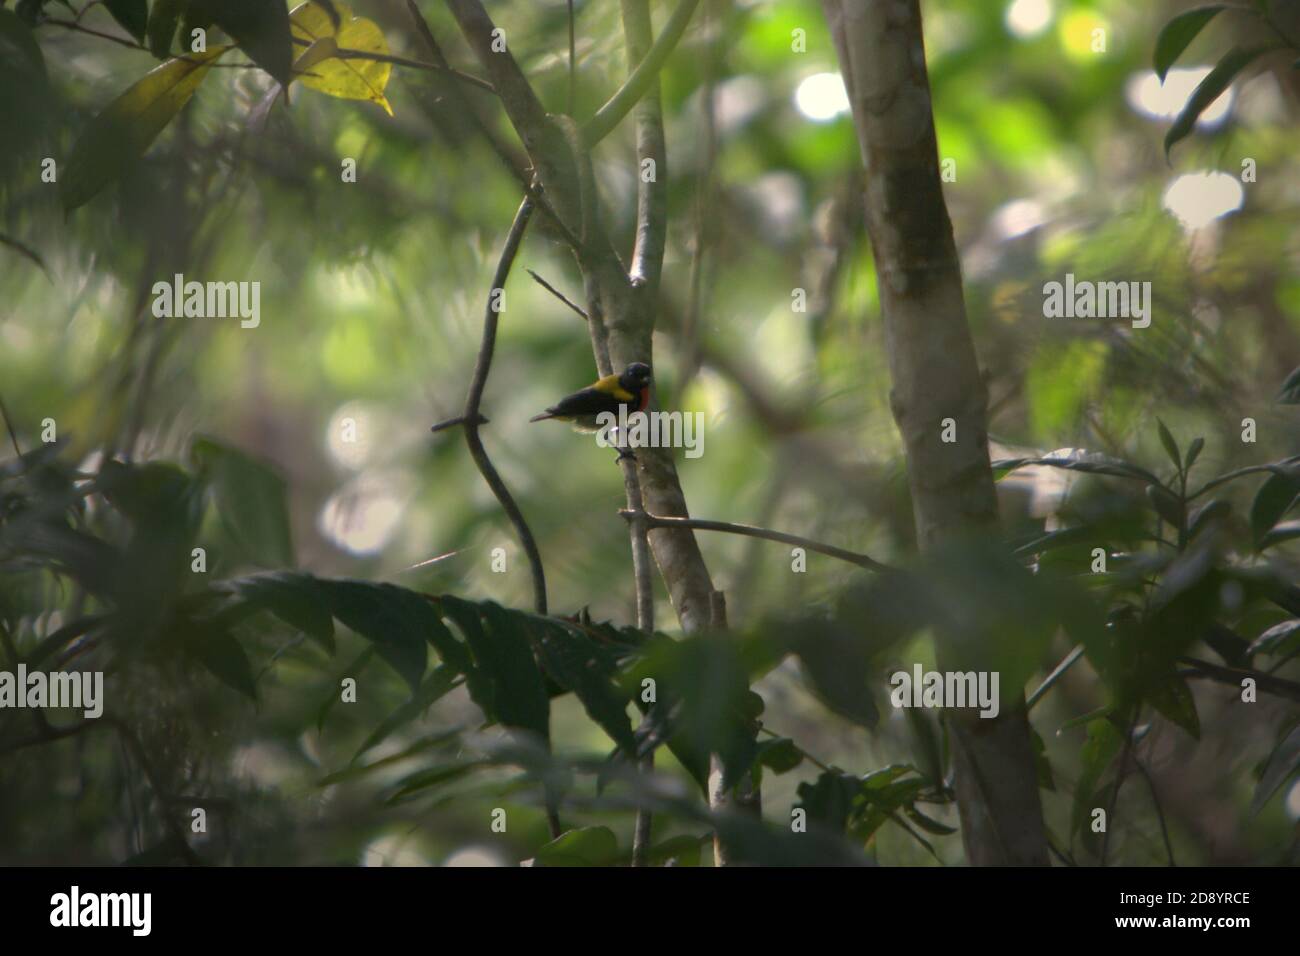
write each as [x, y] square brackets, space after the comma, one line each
[700, 524]
[13, 436]
[1235, 675]
[69, 25]
[471, 418]
[471, 415]
[453, 422]
[1053, 677]
[1160, 810]
[558, 294]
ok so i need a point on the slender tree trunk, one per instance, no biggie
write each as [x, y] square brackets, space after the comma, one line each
[936, 376]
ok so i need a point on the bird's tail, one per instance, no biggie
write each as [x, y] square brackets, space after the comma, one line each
[542, 417]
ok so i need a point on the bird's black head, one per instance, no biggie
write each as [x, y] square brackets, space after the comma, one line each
[635, 377]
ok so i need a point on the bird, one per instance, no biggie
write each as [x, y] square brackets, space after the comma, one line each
[630, 390]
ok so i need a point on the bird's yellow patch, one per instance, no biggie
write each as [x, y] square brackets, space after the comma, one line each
[609, 385]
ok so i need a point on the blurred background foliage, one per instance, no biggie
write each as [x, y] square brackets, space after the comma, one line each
[371, 301]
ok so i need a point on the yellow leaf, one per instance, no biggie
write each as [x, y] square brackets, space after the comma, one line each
[319, 66]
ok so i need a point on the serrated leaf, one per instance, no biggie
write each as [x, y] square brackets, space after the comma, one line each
[324, 70]
[504, 656]
[578, 665]
[119, 135]
[1178, 33]
[393, 618]
[1210, 89]
[294, 597]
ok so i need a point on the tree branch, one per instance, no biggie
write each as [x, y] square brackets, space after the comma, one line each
[470, 417]
[630, 93]
[749, 531]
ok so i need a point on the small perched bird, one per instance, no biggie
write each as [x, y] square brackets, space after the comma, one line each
[629, 389]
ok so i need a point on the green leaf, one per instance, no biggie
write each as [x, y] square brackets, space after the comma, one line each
[1284, 531]
[133, 15]
[163, 20]
[586, 846]
[1272, 501]
[119, 135]
[579, 665]
[1178, 33]
[829, 800]
[250, 498]
[681, 850]
[1290, 392]
[1280, 639]
[435, 686]
[1173, 698]
[780, 755]
[1284, 761]
[260, 27]
[1166, 504]
[1171, 446]
[292, 596]
[1102, 746]
[356, 770]
[225, 659]
[504, 656]
[1193, 453]
[1093, 464]
[335, 693]
[1210, 89]
[432, 777]
[1208, 513]
[927, 824]
[395, 619]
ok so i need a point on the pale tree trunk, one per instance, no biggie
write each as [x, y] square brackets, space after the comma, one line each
[935, 376]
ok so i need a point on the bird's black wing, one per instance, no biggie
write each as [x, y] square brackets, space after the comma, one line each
[588, 401]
